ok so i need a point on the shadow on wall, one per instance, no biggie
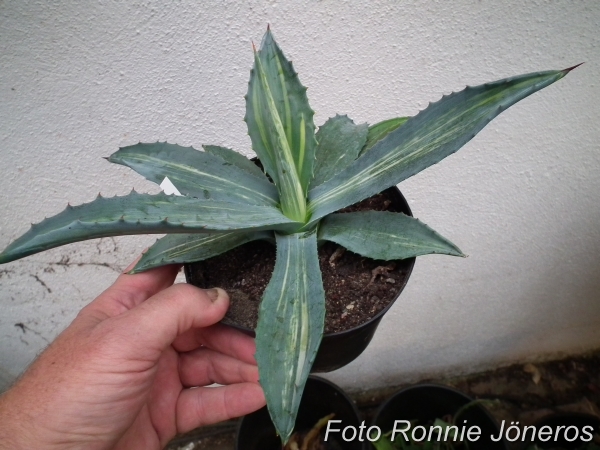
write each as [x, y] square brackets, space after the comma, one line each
[560, 307]
[563, 303]
[558, 311]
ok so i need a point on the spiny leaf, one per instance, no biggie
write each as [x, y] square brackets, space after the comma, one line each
[235, 158]
[143, 214]
[187, 248]
[292, 105]
[280, 125]
[384, 235]
[196, 173]
[339, 143]
[290, 326]
[425, 139]
[380, 130]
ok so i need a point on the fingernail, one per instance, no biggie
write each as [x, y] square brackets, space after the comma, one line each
[213, 294]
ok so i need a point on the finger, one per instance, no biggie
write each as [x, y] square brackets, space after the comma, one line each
[221, 338]
[154, 324]
[203, 366]
[206, 405]
[129, 291]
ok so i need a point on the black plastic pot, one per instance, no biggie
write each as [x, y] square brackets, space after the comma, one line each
[577, 420]
[320, 398]
[424, 403]
[339, 349]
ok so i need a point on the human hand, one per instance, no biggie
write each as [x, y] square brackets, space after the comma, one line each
[125, 373]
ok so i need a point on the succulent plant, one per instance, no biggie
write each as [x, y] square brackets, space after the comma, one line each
[227, 201]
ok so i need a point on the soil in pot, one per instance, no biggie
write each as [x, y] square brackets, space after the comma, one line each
[356, 288]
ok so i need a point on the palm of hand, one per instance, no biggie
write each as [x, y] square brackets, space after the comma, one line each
[129, 371]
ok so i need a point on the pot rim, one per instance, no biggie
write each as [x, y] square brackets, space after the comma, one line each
[418, 386]
[459, 393]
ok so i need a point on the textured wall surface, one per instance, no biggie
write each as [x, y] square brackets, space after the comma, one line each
[80, 79]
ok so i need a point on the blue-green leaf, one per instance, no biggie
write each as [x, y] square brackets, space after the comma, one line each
[196, 174]
[423, 140]
[339, 142]
[187, 248]
[384, 235]
[235, 158]
[290, 326]
[280, 125]
[143, 214]
[380, 130]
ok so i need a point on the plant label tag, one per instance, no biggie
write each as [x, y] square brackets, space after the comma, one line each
[169, 188]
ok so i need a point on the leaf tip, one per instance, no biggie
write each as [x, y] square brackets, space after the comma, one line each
[568, 69]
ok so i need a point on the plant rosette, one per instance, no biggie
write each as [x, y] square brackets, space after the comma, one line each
[227, 201]
[358, 291]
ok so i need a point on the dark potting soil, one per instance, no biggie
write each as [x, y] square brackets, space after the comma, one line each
[356, 288]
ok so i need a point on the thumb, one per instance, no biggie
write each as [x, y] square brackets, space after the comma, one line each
[154, 324]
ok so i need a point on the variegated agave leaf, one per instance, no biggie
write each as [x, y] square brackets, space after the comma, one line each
[380, 130]
[197, 174]
[290, 327]
[188, 248]
[143, 214]
[280, 125]
[236, 159]
[423, 140]
[340, 141]
[384, 235]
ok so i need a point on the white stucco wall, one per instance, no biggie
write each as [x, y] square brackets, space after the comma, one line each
[80, 79]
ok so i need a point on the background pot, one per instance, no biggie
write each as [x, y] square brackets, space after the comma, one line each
[338, 349]
[578, 420]
[320, 398]
[427, 402]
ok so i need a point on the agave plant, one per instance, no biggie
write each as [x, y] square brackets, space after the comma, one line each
[227, 201]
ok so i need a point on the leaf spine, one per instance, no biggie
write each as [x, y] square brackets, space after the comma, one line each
[568, 69]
